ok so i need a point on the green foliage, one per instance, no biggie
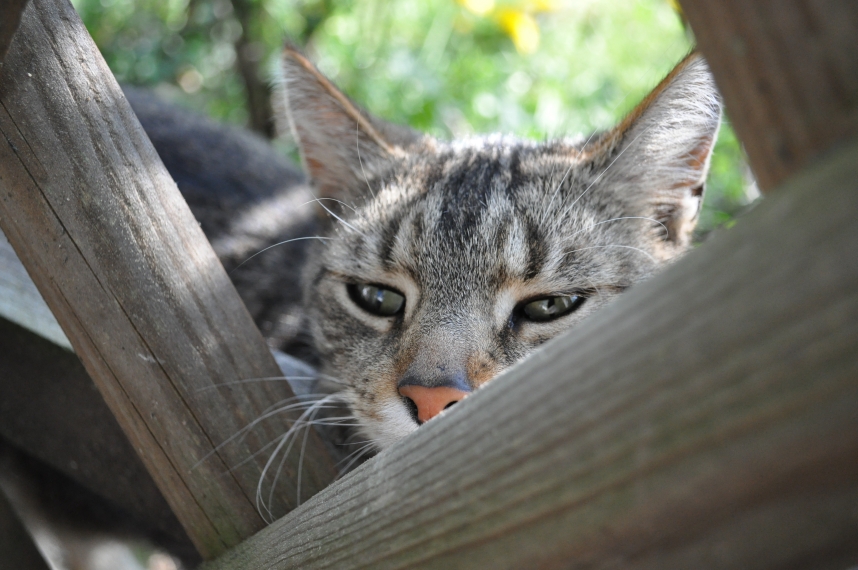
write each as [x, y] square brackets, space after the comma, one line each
[534, 68]
[185, 49]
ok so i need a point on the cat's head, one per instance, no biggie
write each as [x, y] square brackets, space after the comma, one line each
[448, 262]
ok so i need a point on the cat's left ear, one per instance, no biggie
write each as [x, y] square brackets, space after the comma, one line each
[657, 159]
[341, 145]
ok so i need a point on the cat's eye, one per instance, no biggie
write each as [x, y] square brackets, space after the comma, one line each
[550, 308]
[376, 300]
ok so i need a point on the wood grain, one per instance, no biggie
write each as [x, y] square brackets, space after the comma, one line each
[788, 71]
[117, 255]
[706, 419]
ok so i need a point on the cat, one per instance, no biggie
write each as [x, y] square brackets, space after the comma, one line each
[441, 264]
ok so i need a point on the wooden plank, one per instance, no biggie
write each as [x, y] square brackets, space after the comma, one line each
[10, 17]
[788, 71]
[707, 418]
[17, 549]
[117, 255]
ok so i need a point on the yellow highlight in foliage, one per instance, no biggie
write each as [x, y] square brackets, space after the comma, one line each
[516, 19]
[522, 28]
[478, 7]
[537, 6]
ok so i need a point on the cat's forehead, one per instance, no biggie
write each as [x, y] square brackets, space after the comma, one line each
[463, 190]
[481, 211]
[472, 175]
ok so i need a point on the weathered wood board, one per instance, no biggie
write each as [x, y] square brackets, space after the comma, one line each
[788, 72]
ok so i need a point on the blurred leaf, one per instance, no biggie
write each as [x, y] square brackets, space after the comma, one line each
[478, 7]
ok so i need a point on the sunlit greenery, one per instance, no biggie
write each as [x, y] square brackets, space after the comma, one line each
[537, 68]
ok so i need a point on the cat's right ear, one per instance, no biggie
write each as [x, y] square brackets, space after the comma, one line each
[342, 147]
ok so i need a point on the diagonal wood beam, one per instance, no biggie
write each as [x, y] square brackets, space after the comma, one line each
[788, 71]
[102, 229]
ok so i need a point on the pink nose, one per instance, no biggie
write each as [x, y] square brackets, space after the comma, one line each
[430, 401]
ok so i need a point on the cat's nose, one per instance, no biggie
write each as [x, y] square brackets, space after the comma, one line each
[431, 401]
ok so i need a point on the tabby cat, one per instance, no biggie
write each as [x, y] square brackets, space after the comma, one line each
[442, 264]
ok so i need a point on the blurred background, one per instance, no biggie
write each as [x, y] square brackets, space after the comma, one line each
[536, 68]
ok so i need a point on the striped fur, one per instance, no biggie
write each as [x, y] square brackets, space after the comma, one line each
[469, 230]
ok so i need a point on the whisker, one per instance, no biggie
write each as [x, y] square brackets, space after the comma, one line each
[256, 453]
[654, 260]
[261, 251]
[596, 289]
[363, 445]
[331, 378]
[356, 442]
[556, 191]
[616, 220]
[356, 456]
[357, 145]
[269, 412]
[599, 177]
[260, 501]
[288, 437]
[568, 170]
[346, 204]
[301, 459]
[276, 477]
[251, 380]
[336, 420]
[270, 443]
[285, 439]
[299, 402]
[306, 426]
[593, 133]
[342, 221]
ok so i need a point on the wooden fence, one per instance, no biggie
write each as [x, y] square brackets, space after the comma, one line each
[708, 418]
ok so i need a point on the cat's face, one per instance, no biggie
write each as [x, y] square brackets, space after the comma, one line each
[447, 263]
